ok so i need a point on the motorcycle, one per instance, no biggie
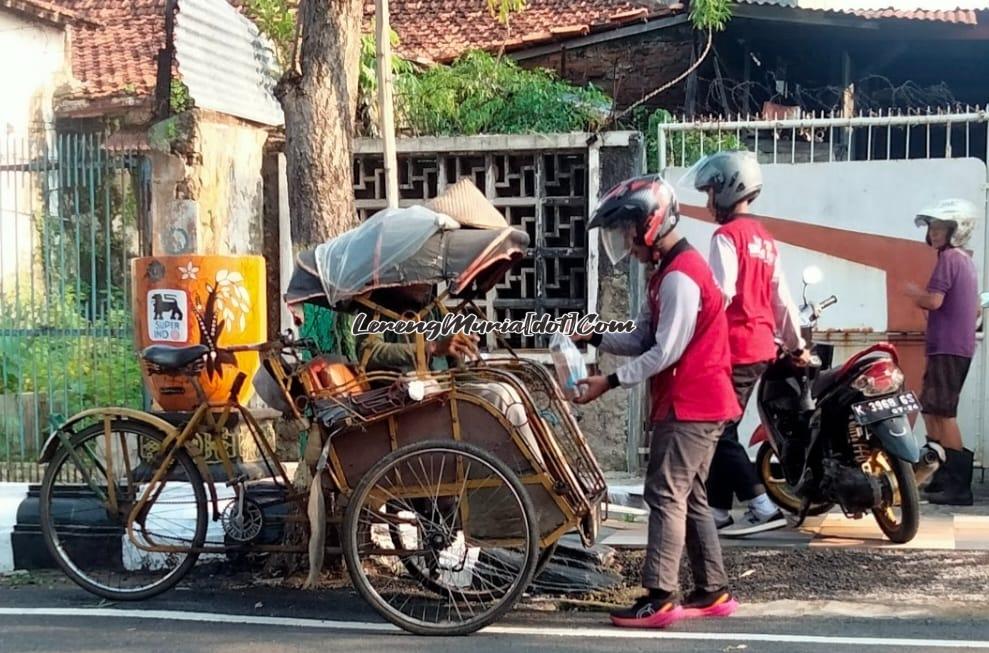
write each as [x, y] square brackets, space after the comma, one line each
[841, 435]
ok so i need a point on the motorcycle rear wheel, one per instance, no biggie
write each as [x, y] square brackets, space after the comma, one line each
[781, 492]
[901, 528]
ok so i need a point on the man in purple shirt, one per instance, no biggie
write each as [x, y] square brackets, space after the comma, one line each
[952, 304]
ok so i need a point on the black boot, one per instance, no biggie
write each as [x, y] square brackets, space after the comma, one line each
[956, 483]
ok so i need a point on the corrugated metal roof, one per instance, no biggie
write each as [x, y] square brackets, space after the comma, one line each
[960, 11]
[225, 62]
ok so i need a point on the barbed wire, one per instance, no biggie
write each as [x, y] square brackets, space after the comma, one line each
[871, 93]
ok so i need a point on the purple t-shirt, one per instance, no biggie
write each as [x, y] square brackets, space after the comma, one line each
[951, 328]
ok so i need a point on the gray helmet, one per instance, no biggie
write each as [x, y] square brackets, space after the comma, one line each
[734, 176]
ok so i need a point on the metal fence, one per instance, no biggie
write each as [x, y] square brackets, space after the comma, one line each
[817, 137]
[801, 138]
[71, 209]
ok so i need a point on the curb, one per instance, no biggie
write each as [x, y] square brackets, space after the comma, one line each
[12, 495]
[22, 545]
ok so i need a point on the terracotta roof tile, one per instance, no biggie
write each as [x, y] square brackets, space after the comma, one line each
[961, 16]
[116, 53]
[442, 30]
[41, 9]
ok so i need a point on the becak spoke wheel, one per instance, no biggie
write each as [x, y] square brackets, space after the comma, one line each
[441, 538]
[88, 493]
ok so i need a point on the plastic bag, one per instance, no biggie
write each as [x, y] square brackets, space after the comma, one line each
[350, 261]
[569, 364]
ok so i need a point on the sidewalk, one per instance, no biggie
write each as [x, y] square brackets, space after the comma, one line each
[941, 527]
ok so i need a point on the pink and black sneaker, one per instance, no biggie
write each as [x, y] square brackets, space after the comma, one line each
[648, 613]
[709, 604]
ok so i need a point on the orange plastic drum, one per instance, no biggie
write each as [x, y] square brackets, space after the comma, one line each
[336, 378]
[218, 301]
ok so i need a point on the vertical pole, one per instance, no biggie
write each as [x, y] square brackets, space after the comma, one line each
[691, 89]
[636, 295]
[286, 258]
[983, 444]
[847, 98]
[746, 76]
[385, 105]
[593, 193]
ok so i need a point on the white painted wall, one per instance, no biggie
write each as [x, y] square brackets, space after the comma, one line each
[861, 289]
[34, 64]
[871, 197]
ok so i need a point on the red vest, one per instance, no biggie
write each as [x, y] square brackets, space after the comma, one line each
[751, 321]
[698, 387]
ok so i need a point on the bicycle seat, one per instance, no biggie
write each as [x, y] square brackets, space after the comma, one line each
[173, 358]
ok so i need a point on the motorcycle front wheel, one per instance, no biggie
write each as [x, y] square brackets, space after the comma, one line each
[900, 519]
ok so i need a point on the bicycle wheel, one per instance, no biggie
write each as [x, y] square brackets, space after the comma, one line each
[87, 534]
[466, 525]
[418, 566]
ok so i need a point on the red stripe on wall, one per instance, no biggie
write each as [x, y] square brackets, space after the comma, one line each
[904, 261]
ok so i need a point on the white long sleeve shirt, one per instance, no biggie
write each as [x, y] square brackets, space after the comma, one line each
[724, 264]
[654, 351]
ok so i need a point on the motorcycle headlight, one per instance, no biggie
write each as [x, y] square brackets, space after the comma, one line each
[880, 378]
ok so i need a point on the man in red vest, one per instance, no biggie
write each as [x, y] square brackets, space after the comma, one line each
[680, 346]
[746, 266]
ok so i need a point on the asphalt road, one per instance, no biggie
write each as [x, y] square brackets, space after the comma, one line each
[40, 619]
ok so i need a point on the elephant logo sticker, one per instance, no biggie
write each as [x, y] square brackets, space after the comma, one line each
[168, 315]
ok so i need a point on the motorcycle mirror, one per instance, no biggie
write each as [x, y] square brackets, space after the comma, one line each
[984, 299]
[812, 274]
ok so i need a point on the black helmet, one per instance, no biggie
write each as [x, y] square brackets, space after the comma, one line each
[642, 209]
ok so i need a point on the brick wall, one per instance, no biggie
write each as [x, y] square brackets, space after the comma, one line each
[627, 69]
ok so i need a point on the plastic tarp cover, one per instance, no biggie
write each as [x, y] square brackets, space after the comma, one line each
[354, 260]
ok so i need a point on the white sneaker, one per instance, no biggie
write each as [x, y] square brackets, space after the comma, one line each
[753, 523]
[723, 523]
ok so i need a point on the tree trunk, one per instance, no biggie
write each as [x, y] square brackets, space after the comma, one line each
[320, 104]
[319, 99]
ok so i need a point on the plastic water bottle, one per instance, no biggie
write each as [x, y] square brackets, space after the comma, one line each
[569, 364]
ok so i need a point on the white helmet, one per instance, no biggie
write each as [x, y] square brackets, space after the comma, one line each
[960, 214]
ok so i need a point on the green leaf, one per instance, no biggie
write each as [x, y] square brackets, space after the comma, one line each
[710, 14]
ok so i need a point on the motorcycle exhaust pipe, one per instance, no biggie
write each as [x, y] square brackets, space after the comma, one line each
[932, 456]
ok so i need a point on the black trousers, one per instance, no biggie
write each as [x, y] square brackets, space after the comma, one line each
[732, 473]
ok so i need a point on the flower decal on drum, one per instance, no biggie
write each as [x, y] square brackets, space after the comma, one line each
[188, 271]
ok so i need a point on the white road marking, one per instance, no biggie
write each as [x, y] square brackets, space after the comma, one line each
[532, 631]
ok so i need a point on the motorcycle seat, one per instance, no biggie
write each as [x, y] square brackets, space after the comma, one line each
[827, 379]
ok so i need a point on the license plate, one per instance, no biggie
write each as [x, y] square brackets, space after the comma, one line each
[876, 410]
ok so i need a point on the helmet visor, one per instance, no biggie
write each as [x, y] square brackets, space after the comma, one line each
[618, 240]
[696, 178]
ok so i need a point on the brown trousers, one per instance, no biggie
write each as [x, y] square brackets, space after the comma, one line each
[675, 491]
